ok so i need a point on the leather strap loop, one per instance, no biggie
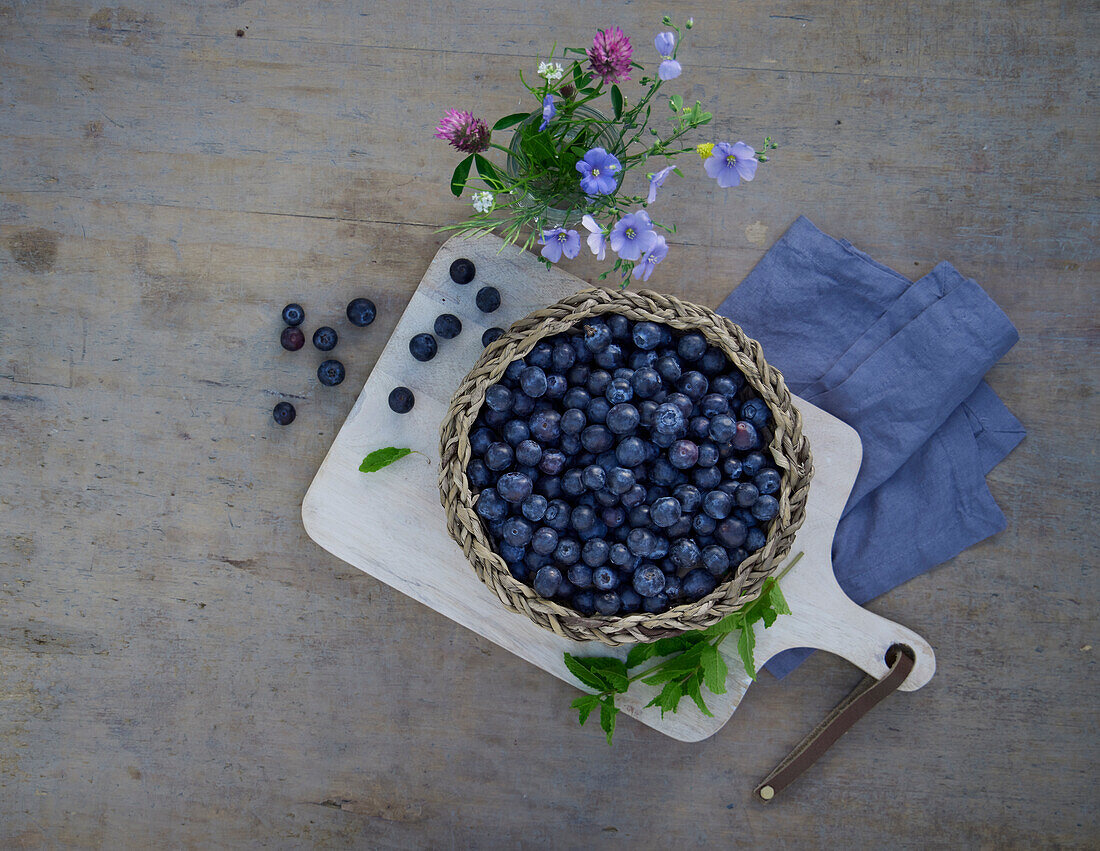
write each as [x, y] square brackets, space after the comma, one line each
[838, 722]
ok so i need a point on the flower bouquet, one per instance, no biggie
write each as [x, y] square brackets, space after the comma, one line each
[567, 161]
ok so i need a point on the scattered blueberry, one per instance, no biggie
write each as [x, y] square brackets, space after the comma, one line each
[293, 314]
[488, 299]
[491, 335]
[284, 412]
[324, 338]
[330, 373]
[462, 271]
[292, 339]
[447, 325]
[360, 312]
[401, 400]
[423, 347]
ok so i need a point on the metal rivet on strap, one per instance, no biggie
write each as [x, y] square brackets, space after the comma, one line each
[767, 793]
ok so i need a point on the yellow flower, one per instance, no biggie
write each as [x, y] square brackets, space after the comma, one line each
[704, 150]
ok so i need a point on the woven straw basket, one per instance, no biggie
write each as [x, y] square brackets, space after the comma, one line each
[788, 447]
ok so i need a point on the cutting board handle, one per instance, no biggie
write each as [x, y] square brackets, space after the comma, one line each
[825, 618]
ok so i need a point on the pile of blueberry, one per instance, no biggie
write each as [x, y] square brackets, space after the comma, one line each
[360, 312]
[622, 466]
[423, 347]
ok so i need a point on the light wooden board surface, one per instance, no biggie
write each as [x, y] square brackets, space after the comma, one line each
[181, 665]
[391, 525]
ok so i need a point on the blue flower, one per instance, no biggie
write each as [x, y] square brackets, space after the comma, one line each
[597, 242]
[666, 45]
[657, 252]
[548, 111]
[560, 241]
[730, 164]
[656, 181]
[631, 235]
[598, 170]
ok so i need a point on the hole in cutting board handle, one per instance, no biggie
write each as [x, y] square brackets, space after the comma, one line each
[893, 651]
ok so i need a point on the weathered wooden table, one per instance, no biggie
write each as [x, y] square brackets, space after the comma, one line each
[182, 666]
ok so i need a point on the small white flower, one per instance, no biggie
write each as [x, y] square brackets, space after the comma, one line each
[552, 71]
[483, 202]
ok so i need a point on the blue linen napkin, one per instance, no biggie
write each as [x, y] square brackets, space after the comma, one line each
[902, 362]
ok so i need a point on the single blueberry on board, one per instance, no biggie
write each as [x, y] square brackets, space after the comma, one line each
[293, 314]
[488, 299]
[360, 312]
[292, 339]
[401, 400]
[325, 338]
[448, 326]
[283, 413]
[330, 373]
[423, 347]
[462, 271]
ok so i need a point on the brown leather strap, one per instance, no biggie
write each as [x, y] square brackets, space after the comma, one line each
[868, 693]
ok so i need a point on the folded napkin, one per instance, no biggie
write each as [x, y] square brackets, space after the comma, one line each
[902, 363]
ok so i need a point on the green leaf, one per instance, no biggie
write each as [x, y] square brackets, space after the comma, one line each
[769, 616]
[778, 601]
[617, 101]
[668, 698]
[675, 103]
[584, 706]
[692, 690]
[639, 653]
[714, 669]
[462, 171]
[510, 120]
[610, 669]
[582, 672]
[608, 711]
[746, 642]
[380, 458]
[489, 173]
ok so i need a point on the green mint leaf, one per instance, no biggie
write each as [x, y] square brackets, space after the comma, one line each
[462, 171]
[746, 641]
[639, 653]
[714, 669]
[676, 643]
[692, 690]
[668, 698]
[584, 706]
[380, 458]
[769, 616]
[728, 624]
[610, 669]
[778, 601]
[617, 101]
[608, 711]
[579, 669]
[510, 120]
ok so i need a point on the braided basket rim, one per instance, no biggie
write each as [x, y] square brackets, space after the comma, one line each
[789, 449]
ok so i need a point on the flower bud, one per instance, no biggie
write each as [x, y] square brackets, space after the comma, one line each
[667, 21]
[567, 91]
[690, 23]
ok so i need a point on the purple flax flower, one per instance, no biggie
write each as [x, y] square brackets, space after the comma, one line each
[657, 252]
[548, 111]
[461, 129]
[666, 44]
[596, 240]
[609, 55]
[598, 170]
[730, 164]
[560, 241]
[631, 235]
[656, 181]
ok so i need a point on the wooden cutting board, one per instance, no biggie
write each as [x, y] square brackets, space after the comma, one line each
[390, 523]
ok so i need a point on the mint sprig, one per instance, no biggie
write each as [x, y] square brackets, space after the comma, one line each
[694, 661]
[380, 458]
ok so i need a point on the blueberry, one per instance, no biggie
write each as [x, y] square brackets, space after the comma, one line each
[619, 391]
[619, 325]
[597, 336]
[544, 541]
[578, 375]
[514, 369]
[641, 542]
[283, 413]
[491, 335]
[361, 311]
[698, 583]
[683, 454]
[576, 397]
[620, 555]
[706, 478]
[755, 539]
[703, 524]
[597, 438]
[765, 508]
[665, 512]
[594, 477]
[722, 428]
[669, 369]
[684, 553]
[633, 497]
[745, 437]
[611, 357]
[573, 421]
[478, 474]
[608, 603]
[714, 404]
[691, 347]
[515, 487]
[595, 552]
[713, 361]
[629, 600]
[498, 456]
[669, 419]
[620, 480]
[746, 495]
[718, 504]
[498, 398]
[533, 508]
[753, 463]
[728, 385]
[572, 483]
[324, 338]
[598, 382]
[522, 405]
[546, 426]
[693, 385]
[708, 455]
[292, 339]
[293, 314]
[731, 532]
[582, 518]
[557, 515]
[605, 578]
[553, 462]
[568, 551]
[689, 497]
[672, 587]
[516, 532]
[512, 554]
[661, 472]
[447, 325]
[514, 433]
[623, 418]
[649, 580]
[549, 486]
[584, 602]
[716, 560]
[646, 382]
[630, 452]
[597, 411]
[732, 467]
[330, 373]
[755, 412]
[480, 439]
[462, 271]
[490, 506]
[647, 335]
[655, 604]
[488, 299]
[547, 581]
[401, 400]
[528, 452]
[563, 357]
[767, 480]
[613, 516]
[682, 402]
[532, 381]
[423, 347]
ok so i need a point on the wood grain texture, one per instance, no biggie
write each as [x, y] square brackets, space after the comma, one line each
[182, 665]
